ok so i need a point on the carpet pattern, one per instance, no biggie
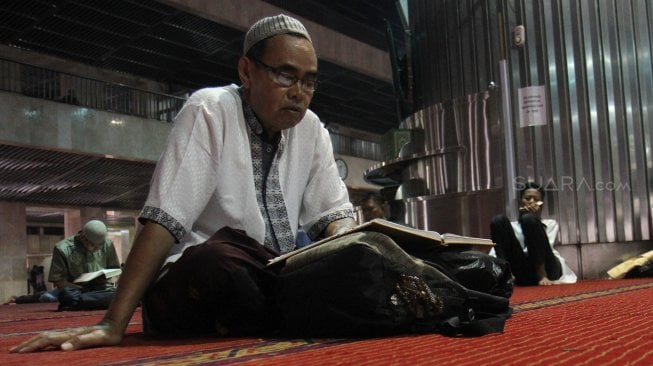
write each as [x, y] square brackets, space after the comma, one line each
[604, 322]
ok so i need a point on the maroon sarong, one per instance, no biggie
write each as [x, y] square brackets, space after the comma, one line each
[218, 287]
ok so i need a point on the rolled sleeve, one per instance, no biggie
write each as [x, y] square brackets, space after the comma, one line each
[159, 216]
[58, 267]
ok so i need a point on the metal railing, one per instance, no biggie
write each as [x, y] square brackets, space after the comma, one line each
[351, 146]
[61, 87]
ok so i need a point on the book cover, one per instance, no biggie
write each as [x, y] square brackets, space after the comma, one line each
[89, 276]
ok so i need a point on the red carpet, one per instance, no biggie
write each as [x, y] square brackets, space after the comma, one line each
[589, 323]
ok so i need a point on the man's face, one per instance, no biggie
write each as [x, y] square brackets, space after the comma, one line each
[276, 106]
[89, 245]
[372, 210]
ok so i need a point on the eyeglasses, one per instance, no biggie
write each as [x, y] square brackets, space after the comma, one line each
[287, 79]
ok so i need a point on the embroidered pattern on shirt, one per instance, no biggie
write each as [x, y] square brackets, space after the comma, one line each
[318, 228]
[162, 218]
[278, 234]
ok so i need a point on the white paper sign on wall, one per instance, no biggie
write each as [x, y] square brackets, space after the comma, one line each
[533, 106]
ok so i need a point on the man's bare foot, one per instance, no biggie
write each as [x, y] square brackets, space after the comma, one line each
[545, 282]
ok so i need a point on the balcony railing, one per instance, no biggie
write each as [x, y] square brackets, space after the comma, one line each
[57, 86]
[61, 87]
[351, 146]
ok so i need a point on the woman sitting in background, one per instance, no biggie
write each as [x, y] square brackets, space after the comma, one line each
[527, 244]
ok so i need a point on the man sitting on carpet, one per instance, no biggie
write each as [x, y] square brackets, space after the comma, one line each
[527, 244]
[87, 251]
[249, 157]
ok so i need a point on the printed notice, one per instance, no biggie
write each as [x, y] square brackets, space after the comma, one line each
[532, 106]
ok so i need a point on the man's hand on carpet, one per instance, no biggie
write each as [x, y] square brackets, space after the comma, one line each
[70, 339]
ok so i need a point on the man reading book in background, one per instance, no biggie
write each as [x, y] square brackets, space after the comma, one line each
[87, 251]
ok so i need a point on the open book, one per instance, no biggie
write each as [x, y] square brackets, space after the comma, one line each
[89, 276]
[619, 271]
[404, 236]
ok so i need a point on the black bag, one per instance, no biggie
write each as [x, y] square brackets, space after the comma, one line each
[363, 284]
[472, 269]
[645, 270]
[74, 298]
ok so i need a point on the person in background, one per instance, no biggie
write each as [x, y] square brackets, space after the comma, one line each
[245, 167]
[372, 207]
[302, 239]
[527, 244]
[39, 292]
[89, 250]
[50, 296]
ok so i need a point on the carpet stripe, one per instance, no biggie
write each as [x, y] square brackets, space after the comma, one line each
[535, 293]
[227, 355]
[648, 355]
[578, 297]
[582, 326]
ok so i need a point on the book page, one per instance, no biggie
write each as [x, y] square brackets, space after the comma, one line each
[397, 232]
[406, 237]
[108, 273]
[452, 239]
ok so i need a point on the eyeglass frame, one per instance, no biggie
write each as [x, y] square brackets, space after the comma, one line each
[276, 73]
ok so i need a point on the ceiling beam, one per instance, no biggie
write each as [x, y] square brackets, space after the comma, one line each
[330, 45]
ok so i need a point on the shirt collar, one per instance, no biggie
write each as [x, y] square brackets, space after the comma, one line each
[255, 124]
[252, 121]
